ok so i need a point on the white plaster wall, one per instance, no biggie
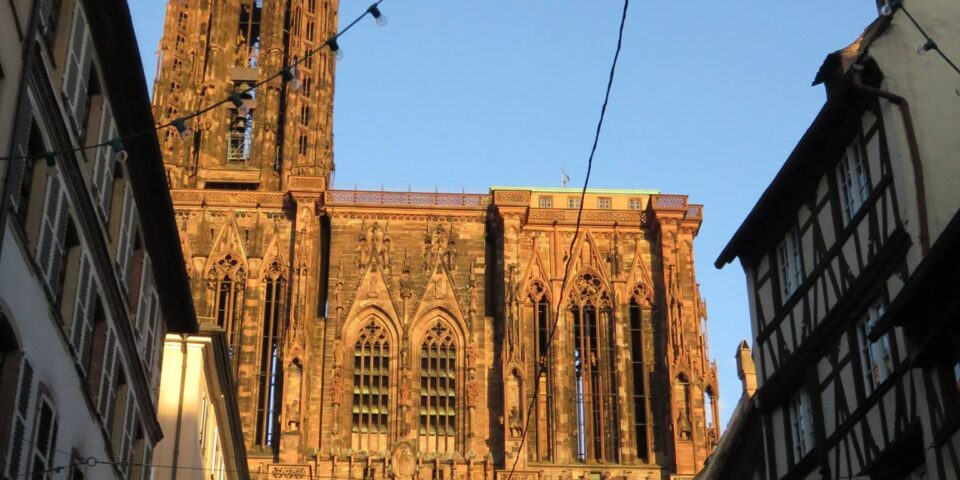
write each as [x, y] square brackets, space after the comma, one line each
[44, 343]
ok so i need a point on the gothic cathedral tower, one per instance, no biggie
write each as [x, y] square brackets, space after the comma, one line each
[407, 335]
[246, 186]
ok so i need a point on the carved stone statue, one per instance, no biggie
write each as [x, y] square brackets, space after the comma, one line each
[683, 426]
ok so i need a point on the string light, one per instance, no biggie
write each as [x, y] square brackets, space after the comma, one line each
[927, 46]
[541, 370]
[290, 77]
[240, 104]
[335, 47]
[181, 125]
[287, 75]
[377, 15]
[117, 146]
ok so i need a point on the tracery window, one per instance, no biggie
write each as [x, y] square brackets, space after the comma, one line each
[638, 371]
[269, 372]
[595, 379]
[438, 390]
[227, 279]
[371, 388]
[543, 374]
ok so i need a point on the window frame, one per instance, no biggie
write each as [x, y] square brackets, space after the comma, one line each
[545, 201]
[877, 359]
[800, 415]
[789, 259]
[853, 180]
[604, 203]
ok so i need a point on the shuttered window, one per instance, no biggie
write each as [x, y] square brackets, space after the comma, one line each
[129, 425]
[126, 238]
[104, 167]
[22, 417]
[77, 71]
[105, 396]
[82, 334]
[44, 439]
[53, 233]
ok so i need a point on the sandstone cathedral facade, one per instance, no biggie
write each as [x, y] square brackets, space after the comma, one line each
[405, 335]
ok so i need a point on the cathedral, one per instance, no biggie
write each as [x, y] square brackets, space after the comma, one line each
[416, 335]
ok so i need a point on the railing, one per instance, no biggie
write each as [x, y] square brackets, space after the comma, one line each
[694, 212]
[422, 199]
[670, 201]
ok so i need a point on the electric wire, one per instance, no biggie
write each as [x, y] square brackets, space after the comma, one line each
[930, 44]
[542, 361]
[179, 122]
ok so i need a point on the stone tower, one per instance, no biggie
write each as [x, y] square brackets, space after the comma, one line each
[246, 187]
[399, 334]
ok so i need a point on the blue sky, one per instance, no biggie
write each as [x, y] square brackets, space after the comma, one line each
[709, 99]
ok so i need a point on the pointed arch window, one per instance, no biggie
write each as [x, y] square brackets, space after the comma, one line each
[438, 390]
[543, 373]
[595, 380]
[269, 371]
[638, 371]
[227, 279]
[371, 388]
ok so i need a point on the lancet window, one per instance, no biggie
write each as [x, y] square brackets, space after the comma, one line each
[269, 371]
[438, 390]
[638, 372]
[543, 373]
[595, 382]
[371, 388]
[227, 279]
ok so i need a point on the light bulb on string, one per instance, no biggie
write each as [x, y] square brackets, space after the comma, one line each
[289, 76]
[335, 48]
[117, 146]
[240, 104]
[378, 16]
[927, 46]
[182, 128]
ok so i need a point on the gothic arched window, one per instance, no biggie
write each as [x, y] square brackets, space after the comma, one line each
[543, 373]
[371, 388]
[438, 390]
[269, 371]
[227, 279]
[595, 380]
[638, 371]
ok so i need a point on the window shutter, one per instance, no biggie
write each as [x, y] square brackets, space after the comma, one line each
[143, 299]
[126, 448]
[103, 170]
[22, 148]
[108, 377]
[21, 419]
[150, 333]
[77, 69]
[83, 314]
[45, 440]
[50, 248]
[147, 470]
[127, 228]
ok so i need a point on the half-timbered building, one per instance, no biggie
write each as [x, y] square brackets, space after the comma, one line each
[856, 354]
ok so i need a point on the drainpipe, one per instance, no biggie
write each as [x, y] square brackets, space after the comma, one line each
[183, 384]
[914, 152]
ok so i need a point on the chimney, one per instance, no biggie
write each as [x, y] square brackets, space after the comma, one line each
[746, 370]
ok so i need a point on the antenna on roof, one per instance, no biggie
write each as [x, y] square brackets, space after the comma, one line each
[564, 178]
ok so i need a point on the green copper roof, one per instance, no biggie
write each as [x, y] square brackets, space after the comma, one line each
[610, 191]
